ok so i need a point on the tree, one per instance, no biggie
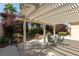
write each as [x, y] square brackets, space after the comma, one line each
[8, 17]
[61, 27]
[49, 28]
[8, 14]
[9, 8]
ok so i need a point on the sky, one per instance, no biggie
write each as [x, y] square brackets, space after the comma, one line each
[16, 5]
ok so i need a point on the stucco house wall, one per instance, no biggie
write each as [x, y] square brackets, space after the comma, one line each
[74, 33]
[1, 30]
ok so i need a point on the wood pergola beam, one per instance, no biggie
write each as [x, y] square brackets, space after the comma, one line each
[33, 21]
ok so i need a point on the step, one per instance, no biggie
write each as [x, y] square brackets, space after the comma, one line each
[65, 53]
[55, 52]
[69, 47]
[68, 50]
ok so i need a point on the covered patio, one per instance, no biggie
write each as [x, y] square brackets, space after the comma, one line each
[50, 14]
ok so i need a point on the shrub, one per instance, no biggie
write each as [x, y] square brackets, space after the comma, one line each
[17, 35]
[4, 41]
[62, 33]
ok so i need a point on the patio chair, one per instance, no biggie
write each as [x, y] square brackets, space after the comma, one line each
[60, 39]
[52, 41]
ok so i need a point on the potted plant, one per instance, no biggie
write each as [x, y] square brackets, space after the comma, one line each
[18, 37]
[37, 36]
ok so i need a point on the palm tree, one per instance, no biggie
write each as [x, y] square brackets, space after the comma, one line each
[8, 17]
[9, 12]
[9, 7]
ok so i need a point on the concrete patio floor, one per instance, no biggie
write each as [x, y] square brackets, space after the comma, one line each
[71, 49]
[10, 50]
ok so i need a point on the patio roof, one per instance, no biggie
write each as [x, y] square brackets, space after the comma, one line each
[51, 13]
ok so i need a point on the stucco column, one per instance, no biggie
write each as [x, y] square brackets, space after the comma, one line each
[24, 34]
[44, 32]
[70, 30]
[54, 32]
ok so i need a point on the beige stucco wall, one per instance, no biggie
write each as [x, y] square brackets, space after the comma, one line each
[74, 33]
[1, 30]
